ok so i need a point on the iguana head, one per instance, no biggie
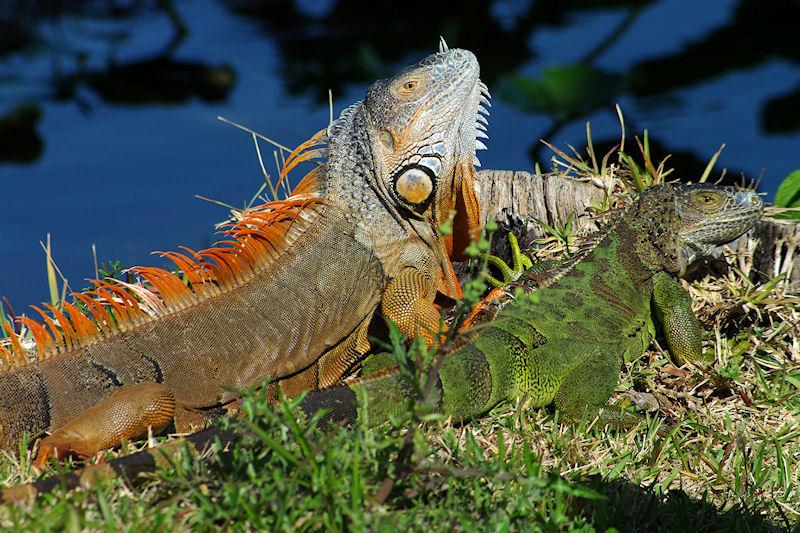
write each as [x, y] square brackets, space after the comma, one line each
[680, 224]
[424, 125]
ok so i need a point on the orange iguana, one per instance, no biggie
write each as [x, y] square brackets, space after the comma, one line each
[289, 293]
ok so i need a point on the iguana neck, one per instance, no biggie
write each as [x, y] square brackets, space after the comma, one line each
[654, 229]
[352, 184]
[350, 169]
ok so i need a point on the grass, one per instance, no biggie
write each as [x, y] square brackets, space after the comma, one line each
[717, 451]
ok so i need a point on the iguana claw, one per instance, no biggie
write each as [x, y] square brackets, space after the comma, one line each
[520, 263]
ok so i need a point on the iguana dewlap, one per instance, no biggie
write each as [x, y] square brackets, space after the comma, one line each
[291, 291]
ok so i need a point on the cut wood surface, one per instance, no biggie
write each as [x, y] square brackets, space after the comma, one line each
[519, 198]
[515, 197]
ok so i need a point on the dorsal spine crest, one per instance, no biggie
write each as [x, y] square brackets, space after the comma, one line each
[249, 246]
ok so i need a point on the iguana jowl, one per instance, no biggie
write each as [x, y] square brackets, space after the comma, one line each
[564, 343]
[291, 291]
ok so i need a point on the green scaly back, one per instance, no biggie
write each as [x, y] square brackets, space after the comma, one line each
[565, 342]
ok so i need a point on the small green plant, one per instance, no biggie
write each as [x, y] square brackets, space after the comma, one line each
[559, 240]
[732, 370]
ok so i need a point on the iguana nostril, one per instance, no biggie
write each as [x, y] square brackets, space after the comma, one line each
[748, 199]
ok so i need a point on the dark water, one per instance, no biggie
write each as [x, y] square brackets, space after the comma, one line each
[108, 110]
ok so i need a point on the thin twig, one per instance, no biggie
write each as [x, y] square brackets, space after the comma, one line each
[272, 190]
[251, 132]
[50, 261]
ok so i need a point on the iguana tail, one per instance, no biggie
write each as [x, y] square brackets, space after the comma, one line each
[468, 384]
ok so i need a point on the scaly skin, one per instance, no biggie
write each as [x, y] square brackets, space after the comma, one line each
[563, 341]
[291, 295]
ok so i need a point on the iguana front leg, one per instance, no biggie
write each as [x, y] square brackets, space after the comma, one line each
[128, 414]
[673, 308]
[408, 302]
[519, 264]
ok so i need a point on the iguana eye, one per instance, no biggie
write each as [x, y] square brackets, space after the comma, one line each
[409, 87]
[709, 201]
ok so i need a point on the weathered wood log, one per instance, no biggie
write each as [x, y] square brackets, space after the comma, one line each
[517, 198]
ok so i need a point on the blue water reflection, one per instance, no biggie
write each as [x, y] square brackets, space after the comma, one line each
[107, 169]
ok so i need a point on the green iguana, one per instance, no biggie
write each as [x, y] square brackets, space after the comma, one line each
[565, 342]
[561, 341]
[290, 292]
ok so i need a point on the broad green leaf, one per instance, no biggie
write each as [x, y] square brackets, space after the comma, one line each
[788, 194]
